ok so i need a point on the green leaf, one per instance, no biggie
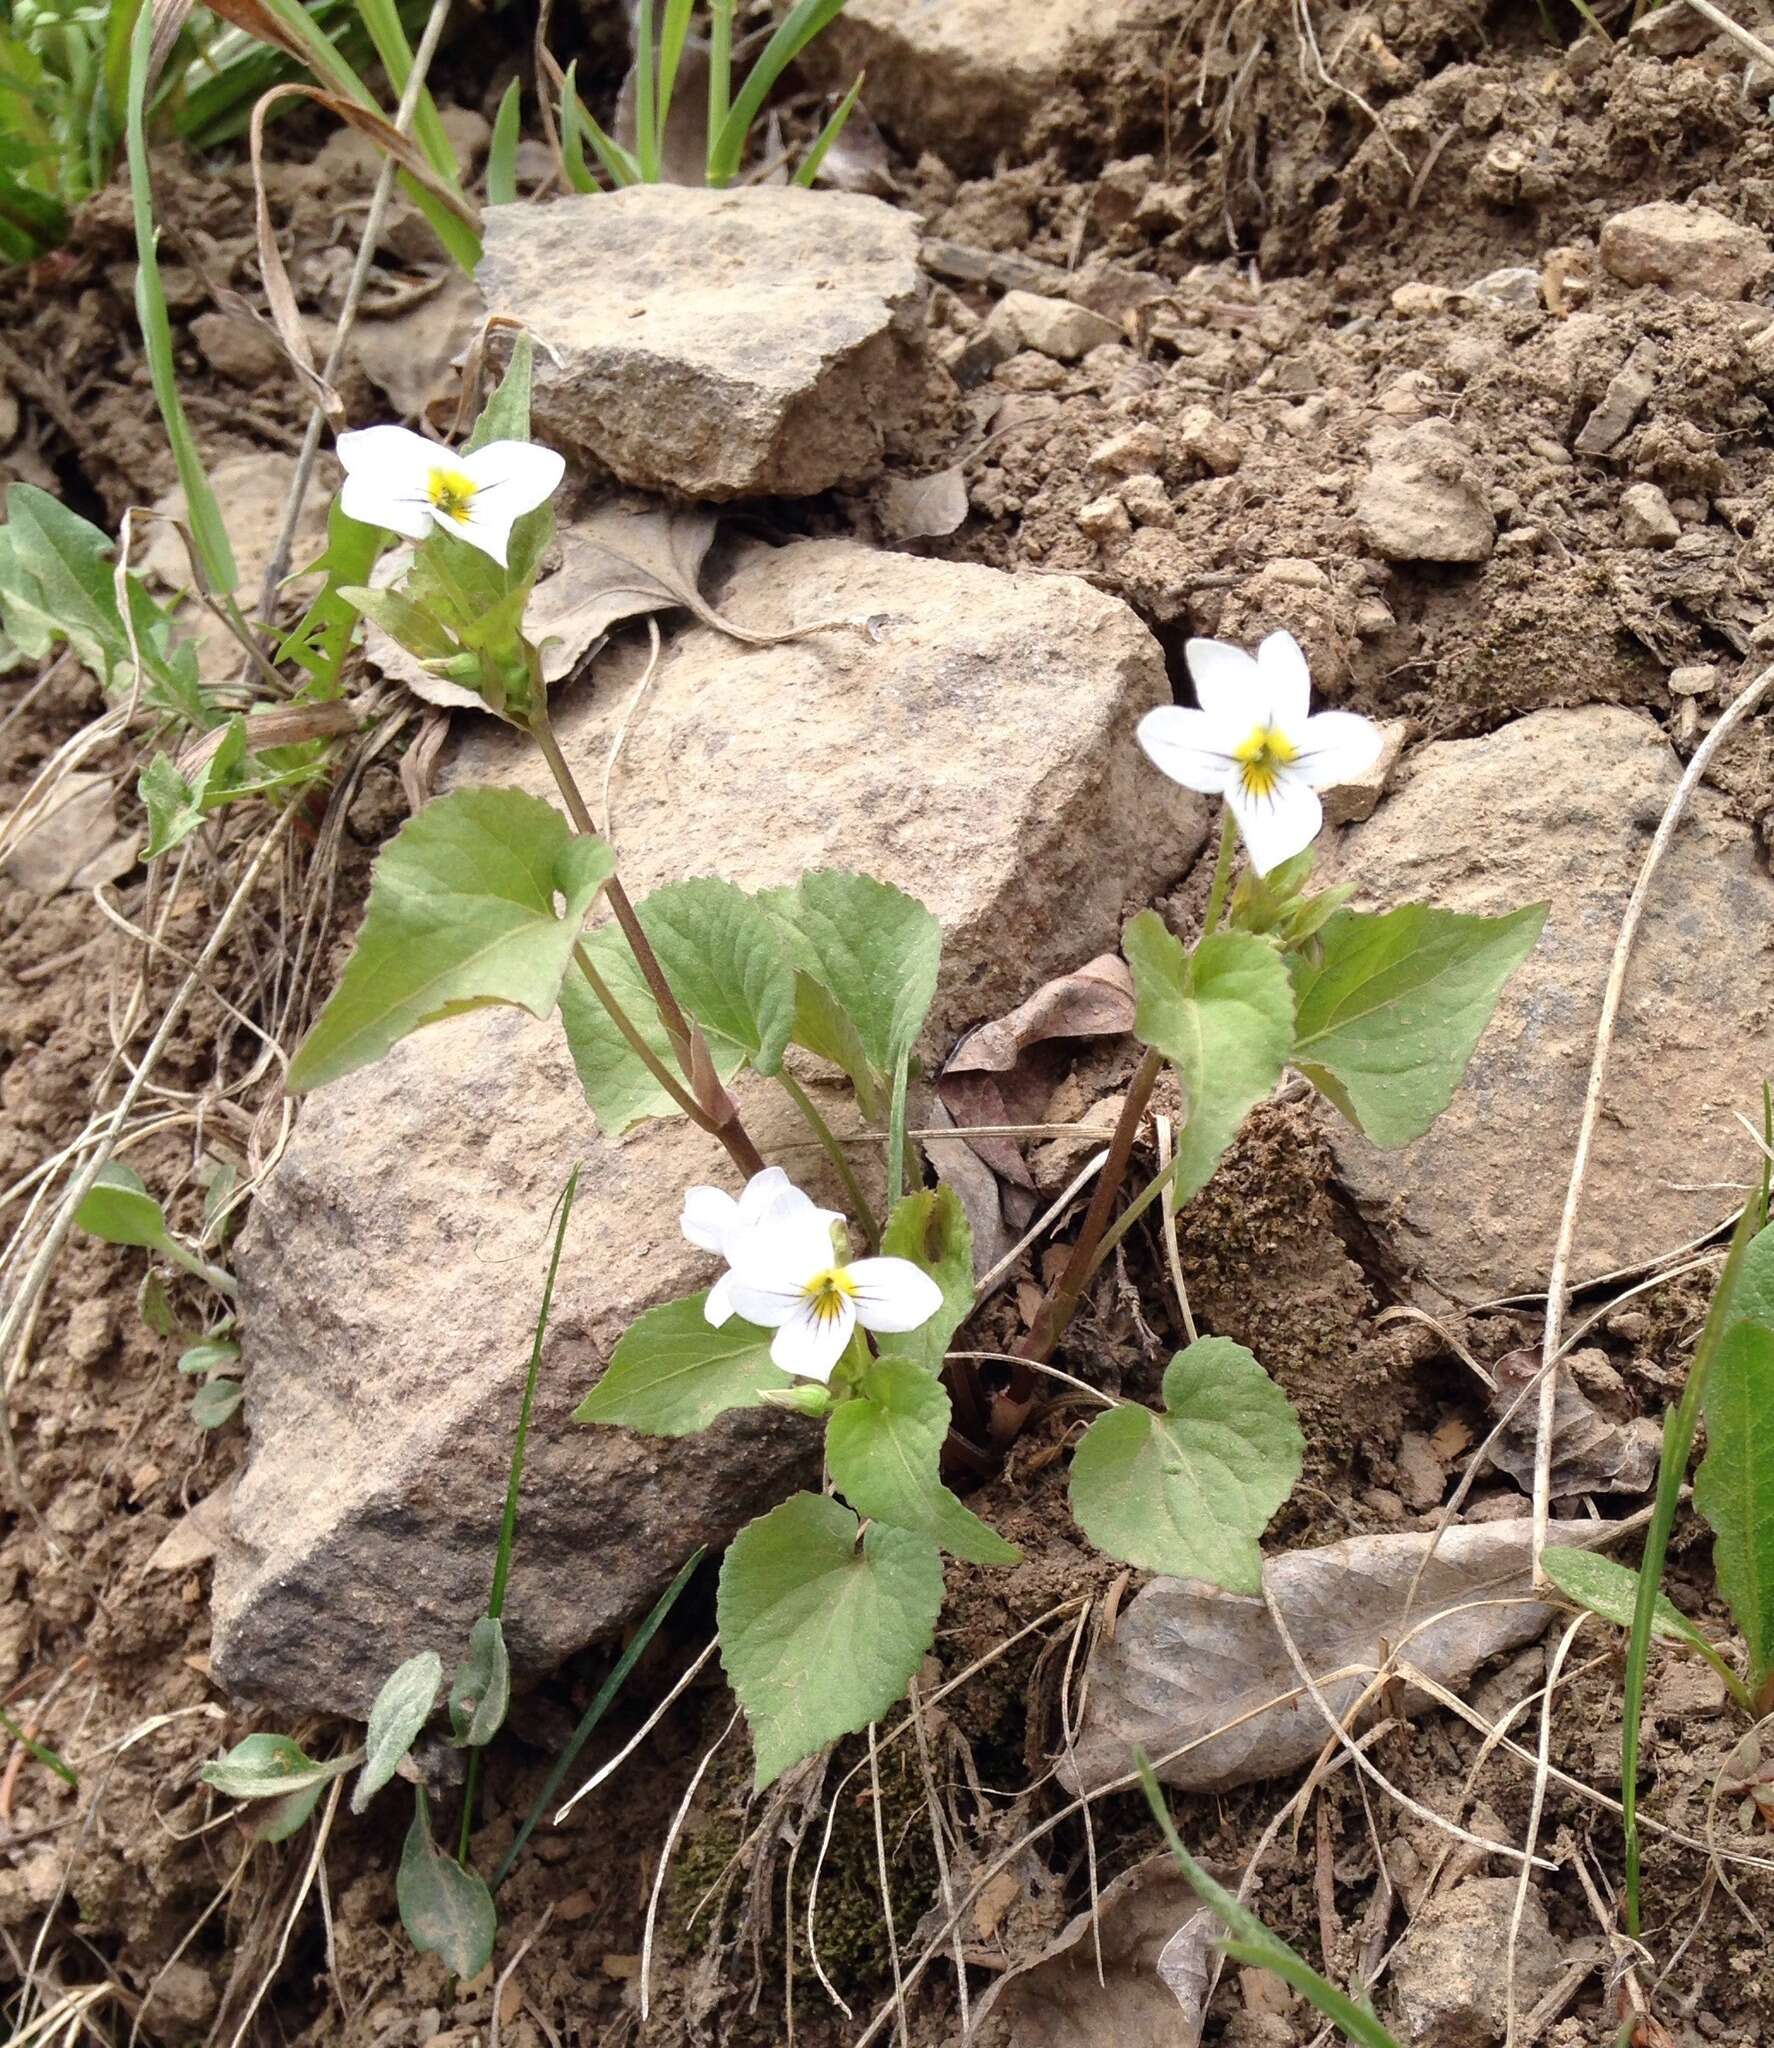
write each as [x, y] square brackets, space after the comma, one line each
[1734, 1487]
[290, 1813]
[672, 1372]
[482, 1691]
[931, 1229]
[618, 1086]
[883, 1447]
[502, 155]
[824, 1027]
[269, 1766]
[724, 957]
[55, 579]
[1611, 1590]
[320, 640]
[1752, 1297]
[1390, 1011]
[1223, 1016]
[176, 807]
[403, 621]
[820, 1634]
[447, 1911]
[506, 414]
[400, 1711]
[209, 1356]
[214, 1401]
[119, 1208]
[155, 1307]
[872, 948]
[1189, 1492]
[461, 914]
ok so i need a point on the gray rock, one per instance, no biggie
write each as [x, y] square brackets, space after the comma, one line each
[1104, 518]
[1559, 807]
[1055, 327]
[1645, 518]
[975, 747]
[1687, 248]
[749, 343]
[1421, 501]
[1695, 679]
[1622, 402]
[944, 74]
[1449, 1982]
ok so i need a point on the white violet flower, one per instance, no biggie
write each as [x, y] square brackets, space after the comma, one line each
[1254, 742]
[397, 479]
[787, 1278]
[714, 1222]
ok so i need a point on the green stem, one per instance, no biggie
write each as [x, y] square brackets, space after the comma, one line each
[1222, 874]
[201, 1269]
[514, 1483]
[642, 1051]
[835, 1152]
[896, 1132]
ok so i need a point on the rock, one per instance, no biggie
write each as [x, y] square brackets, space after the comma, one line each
[1417, 301]
[391, 1270]
[1559, 807]
[237, 348]
[1449, 1986]
[1622, 402]
[1645, 518]
[1147, 500]
[1126, 453]
[1517, 284]
[748, 343]
[1695, 679]
[1104, 518]
[1686, 248]
[1054, 326]
[947, 77]
[1348, 803]
[1421, 501]
[1201, 436]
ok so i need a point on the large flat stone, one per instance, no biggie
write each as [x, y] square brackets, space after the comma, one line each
[750, 343]
[1561, 807]
[957, 77]
[974, 746]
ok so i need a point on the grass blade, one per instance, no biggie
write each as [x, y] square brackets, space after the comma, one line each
[598, 1708]
[382, 19]
[673, 33]
[646, 123]
[805, 20]
[1678, 1439]
[209, 537]
[502, 151]
[720, 72]
[46, 1757]
[1253, 1944]
[577, 128]
[829, 134]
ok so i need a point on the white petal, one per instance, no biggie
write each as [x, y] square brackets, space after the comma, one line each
[1337, 746]
[1286, 683]
[761, 1191]
[786, 1249]
[809, 1345]
[893, 1294]
[387, 471]
[1275, 827]
[394, 456]
[516, 476]
[708, 1217]
[1226, 683]
[718, 1308]
[1186, 746]
[768, 1303]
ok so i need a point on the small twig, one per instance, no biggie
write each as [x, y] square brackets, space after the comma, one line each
[639, 1736]
[672, 1833]
[1761, 51]
[1557, 1287]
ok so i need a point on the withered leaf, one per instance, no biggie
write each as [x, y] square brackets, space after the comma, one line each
[1590, 1454]
[922, 507]
[1188, 1661]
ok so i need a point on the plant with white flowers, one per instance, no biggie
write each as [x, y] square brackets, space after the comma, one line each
[829, 1601]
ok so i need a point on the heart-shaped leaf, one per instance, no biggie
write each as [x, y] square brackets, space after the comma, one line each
[672, 1372]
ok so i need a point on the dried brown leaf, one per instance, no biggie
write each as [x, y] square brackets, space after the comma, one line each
[1590, 1454]
[1191, 1665]
[73, 842]
[922, 507]
[1157, 1942]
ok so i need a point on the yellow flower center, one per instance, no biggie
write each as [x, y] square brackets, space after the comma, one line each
[1261, 759]
[451, 493]
[827, 1292]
